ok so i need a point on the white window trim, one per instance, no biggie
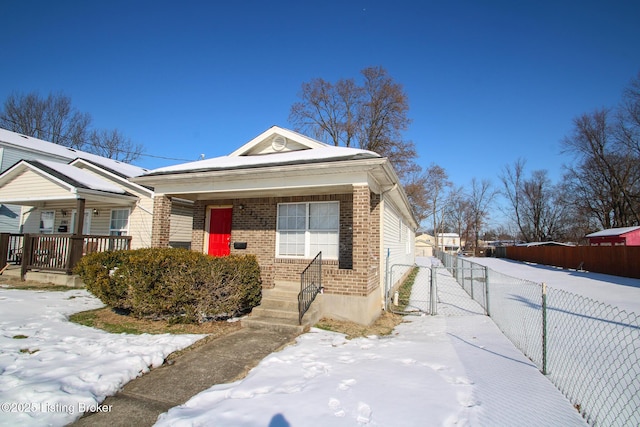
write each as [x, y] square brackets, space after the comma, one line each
[53, 224]
[126, 230]
[307, 232]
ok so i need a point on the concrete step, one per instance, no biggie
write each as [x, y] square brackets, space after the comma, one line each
[278, 293]
[274, 324]
[287, 285]
[261, 311]
[272, 320]
[280, 304]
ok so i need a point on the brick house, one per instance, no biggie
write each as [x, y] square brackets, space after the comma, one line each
[285, 197]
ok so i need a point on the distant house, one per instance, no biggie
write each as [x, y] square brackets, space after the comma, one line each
[425, 244]
[285, 198]
[449, 242]
[624, 236]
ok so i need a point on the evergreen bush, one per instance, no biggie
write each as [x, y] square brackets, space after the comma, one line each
[174, 284]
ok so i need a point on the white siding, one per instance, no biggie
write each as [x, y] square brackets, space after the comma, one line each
[398, 239]
[26, 182]
[9, 156]
[140, 221]
[181, 225]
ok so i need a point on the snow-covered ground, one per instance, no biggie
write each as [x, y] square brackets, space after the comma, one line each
[52, 370]
[432, 371]
[621, 292]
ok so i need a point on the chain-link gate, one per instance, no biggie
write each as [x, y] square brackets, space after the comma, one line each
[422, 289]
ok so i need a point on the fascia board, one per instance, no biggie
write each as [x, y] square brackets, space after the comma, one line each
[162, 182]
[267, 181]
[122, 181]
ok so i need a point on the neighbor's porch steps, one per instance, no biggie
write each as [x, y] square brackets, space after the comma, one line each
[279, 310]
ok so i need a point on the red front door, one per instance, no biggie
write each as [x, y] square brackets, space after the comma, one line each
[220, 232]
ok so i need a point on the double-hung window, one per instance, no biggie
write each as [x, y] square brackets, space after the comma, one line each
[119, 224]
[304, 229]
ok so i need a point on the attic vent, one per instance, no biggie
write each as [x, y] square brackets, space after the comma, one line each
[278, 143]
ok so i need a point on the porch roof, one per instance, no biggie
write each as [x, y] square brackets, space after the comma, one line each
[31, 182]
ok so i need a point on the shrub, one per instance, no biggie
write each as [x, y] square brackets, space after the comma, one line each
[175, 284]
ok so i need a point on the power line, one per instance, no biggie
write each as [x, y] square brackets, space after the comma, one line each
[66, 138]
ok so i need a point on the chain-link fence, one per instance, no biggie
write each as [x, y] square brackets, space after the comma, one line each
[589, 350]
[430, 290]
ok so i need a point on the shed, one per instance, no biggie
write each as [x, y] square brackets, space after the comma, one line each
[624, 236]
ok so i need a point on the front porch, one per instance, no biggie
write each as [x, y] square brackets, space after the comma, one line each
[51, 257]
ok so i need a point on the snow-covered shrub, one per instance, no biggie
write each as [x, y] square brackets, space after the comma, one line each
[175, 284]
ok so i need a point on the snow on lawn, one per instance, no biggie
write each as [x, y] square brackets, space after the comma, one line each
[621, 292]
[433, 371]
[52, 370]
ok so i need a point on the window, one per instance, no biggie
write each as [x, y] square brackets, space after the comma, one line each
[119, 225]
[47, 218]
[86, 225]
[304, 229]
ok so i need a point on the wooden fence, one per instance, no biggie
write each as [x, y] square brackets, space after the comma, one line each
[615, 260]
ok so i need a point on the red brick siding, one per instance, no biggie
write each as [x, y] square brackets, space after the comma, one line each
[356, 271]
[160, 229]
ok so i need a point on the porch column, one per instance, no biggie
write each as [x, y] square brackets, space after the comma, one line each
[161, 224]
[361, 236]
[79, 225]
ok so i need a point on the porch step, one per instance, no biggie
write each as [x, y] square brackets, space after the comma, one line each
[279, 310]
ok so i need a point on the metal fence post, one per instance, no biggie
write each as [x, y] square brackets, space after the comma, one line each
[544, 328]
[434, 291]
[387, 281]
[486, 291]
[471, 282]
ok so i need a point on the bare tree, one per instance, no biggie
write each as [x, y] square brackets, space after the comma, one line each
[436, 186]
[458, 213]
[628, 129]
[480, 199]
[371, 116]
[606, 172]
[537, 206]
[114, 145]
[414, 186]
[52, 119]
[328, 112]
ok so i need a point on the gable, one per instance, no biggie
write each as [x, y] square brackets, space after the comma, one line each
[277, 140]
[30, 184]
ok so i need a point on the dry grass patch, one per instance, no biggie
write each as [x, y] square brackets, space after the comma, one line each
[384, 325]
[110, 321]
[12, 282]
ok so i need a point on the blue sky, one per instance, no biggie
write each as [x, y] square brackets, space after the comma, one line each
[488, 82]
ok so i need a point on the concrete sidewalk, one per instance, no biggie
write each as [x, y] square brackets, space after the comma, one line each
[220, 361]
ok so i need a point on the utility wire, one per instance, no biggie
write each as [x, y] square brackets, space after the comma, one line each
[63, 137]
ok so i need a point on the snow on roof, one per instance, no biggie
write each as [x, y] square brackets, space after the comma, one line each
[86, 179]
[323, 154]
[613, 232]
[548, 243]
[35, 144]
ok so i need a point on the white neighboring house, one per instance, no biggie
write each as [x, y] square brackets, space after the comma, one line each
[449, 242]
[42, 183]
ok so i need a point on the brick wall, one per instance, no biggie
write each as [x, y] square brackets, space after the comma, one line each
[254, 222]
[160, 226]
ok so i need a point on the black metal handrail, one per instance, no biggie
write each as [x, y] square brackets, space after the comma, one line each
[310, 285]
